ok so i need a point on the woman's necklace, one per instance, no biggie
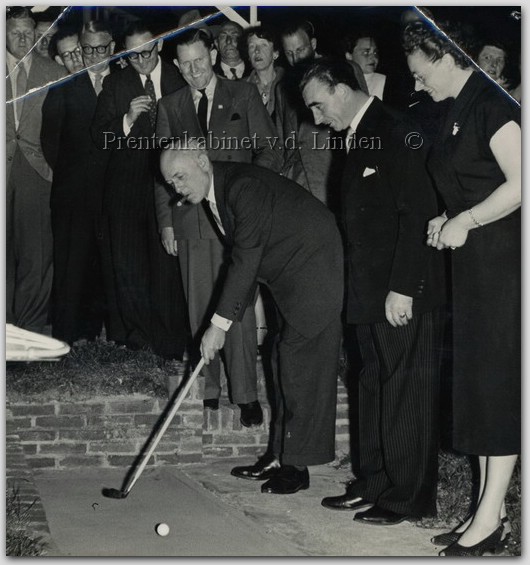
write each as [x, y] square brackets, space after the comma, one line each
[264, 89]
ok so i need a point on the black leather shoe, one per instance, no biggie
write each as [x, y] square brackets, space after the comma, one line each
[287, 481]
[211, 403]
[251, 414]
[266, 467]
[378, 516]
[346, 502]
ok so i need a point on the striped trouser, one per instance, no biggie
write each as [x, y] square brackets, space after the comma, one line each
[399, 414]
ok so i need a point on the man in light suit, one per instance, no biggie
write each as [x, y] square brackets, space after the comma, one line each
[28, 231]
[279, 235]
[394, 293]
[147, 282]
[233, 112]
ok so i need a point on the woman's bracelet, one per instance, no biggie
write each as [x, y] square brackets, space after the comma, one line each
[475, 221]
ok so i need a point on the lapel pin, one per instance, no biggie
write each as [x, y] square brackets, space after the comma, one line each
[220, 107]
[456, 128]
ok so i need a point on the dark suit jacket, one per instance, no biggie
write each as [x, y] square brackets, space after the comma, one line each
[237, 112]
[387, 200]
[78, 165]
[284, 237]
[129, 178]
[27, 137]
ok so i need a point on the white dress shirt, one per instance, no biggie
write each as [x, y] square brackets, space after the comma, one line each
[156, 77]
[218, 321]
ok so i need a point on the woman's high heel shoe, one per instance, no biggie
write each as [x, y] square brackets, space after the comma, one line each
[490, 544]
[453, 536]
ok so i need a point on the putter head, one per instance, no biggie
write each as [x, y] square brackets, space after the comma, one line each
[114, 493]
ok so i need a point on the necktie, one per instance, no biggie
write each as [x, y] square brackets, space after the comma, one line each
[22, 83]
[234, 74]
[98, 83]
[202, 111]
[150, 91]
[216, 217]
[348, 140]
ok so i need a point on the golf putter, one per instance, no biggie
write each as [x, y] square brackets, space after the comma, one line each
[126, 489]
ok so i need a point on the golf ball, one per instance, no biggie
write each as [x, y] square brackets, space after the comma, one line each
[162, 529]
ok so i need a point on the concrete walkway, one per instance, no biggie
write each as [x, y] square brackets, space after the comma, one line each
[211, 513]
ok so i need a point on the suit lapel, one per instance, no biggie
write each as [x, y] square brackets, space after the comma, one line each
[168, 79]
[10, 114]
[188, 115]
[35, 80]
[219, 184]
[358, 159]
[221, 107]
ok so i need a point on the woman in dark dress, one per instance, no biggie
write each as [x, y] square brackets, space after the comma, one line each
[476, 164]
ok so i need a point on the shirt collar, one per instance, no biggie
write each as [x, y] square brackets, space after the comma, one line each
[155, 74]
[12, 62]
[240, 69]
[210, 88]
[359, 116]
[102, 73]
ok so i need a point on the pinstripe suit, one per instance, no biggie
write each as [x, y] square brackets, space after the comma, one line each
[148, 284]
[387, 199]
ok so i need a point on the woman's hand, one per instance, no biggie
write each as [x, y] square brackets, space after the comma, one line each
[454, 233]
[433, 229]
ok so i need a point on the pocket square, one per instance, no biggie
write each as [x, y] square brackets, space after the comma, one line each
[235, 117]
[368, 171]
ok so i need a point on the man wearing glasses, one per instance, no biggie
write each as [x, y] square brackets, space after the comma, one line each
[146, 280]
[78, 174]
[66, 51]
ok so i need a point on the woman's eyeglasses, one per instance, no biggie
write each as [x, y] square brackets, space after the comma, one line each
[100, 49]
[144, 54]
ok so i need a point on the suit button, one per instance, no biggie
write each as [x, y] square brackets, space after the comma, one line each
[10, 158]
[18, 136]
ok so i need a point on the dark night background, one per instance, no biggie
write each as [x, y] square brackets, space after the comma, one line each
[331, 23]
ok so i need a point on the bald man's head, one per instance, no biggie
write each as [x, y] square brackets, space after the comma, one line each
[187, 169]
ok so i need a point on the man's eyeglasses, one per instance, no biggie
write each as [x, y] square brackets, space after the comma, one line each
[144, 54]
[101, 49]
[67, 55]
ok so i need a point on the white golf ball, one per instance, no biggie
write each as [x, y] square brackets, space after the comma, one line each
[162, 529]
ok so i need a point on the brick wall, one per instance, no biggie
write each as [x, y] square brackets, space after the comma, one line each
[110, 431]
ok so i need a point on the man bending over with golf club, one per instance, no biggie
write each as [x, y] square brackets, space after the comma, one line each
[285, 238]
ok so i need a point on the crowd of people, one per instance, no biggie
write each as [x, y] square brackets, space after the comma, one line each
[359, 199]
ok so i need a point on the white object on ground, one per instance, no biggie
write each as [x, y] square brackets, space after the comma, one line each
[23, 345]
[162, 529]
